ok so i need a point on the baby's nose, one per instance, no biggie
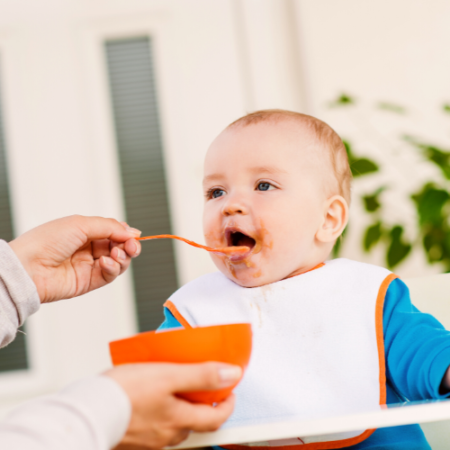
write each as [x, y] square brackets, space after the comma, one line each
[233, 207]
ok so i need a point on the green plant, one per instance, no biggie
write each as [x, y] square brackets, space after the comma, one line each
[431, 202]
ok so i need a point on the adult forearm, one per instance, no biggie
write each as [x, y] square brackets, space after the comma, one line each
[92, 414]
[18, 295]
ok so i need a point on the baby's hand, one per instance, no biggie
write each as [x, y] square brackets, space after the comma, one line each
[74, 255]
[445, 385]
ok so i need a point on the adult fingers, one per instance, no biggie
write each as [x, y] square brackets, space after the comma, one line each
[208, 418]
[179, 436]
[101, 248]
[204, 376]
[100, 228]
[119, 255]
[132, 247]
[109, 269]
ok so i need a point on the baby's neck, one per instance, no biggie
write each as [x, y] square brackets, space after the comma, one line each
[297, 273]
[302, 270]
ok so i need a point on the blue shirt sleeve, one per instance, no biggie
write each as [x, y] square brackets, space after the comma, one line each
[417, 347]
[170, 322]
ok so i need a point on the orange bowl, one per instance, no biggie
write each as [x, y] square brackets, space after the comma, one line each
[230, 344]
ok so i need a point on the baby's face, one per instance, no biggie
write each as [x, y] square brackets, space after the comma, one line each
[265, 187]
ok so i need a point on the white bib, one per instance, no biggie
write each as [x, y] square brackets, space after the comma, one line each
[318, 344]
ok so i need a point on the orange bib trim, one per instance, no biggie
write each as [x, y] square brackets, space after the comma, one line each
[173, 309]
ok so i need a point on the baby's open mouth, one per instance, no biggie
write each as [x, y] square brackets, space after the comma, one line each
[238, 239]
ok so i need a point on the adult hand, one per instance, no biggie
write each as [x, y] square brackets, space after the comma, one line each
[160, 418]
[75, 255]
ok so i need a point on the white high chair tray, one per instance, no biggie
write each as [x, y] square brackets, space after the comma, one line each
[394, 415]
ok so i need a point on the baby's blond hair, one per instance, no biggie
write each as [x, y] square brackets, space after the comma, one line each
[329, 139]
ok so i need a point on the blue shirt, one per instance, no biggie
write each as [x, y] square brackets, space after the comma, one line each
[417, 350]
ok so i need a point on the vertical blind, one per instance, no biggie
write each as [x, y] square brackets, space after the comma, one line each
[14, 356]
[138, 135]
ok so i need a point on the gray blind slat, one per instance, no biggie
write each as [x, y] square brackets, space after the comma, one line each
[14, 356]
[132, 86]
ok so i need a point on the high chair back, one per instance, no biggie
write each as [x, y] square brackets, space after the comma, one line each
[431, 294]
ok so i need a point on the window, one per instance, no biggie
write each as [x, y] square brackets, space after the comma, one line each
[14, 356]
[132, 86]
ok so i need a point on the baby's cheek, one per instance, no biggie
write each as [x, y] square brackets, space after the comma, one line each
[219, 262]
[283, 258]
[213, 237]
[209, 224]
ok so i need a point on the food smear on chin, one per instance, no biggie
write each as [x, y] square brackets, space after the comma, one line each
[231, 269]
[225, 250]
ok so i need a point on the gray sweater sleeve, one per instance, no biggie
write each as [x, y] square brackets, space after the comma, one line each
[18, 295]
[91, 414]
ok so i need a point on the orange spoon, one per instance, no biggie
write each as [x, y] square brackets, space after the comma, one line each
[224, 250]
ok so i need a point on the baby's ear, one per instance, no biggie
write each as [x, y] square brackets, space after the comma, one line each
[335, 217]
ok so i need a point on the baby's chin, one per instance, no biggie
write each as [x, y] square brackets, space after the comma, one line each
[247, 273]
[246, 277]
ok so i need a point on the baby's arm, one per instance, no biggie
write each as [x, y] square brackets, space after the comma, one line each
[417, 348]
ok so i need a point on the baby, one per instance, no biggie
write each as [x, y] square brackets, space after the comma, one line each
[330, 337]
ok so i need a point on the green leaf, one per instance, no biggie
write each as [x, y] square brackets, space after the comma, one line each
[363, 166]
[348, 149]
[392, 107]
[359, 166]
[436, 155]
[446, 107]
[439, 157]
[397, 250]
[372, 202]
[434, 244]
[343, 100]
[372, 236]
[430, 203]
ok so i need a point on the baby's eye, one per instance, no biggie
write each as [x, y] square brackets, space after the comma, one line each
[264, 186]
[215, 193]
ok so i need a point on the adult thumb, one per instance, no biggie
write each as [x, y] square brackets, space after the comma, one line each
[203, 377]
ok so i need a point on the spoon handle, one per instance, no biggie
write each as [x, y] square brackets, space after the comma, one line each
[224, 250]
